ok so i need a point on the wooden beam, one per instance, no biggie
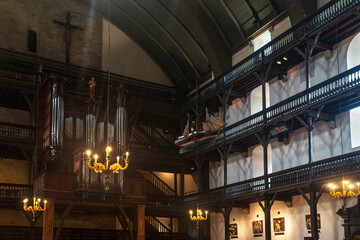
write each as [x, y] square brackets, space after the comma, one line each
[215, 23]
[231, 15]
[274, 7]
[64, 216]
[152, 37]
[146, 13]
[253, 12]
[127, 220]
[181, 25]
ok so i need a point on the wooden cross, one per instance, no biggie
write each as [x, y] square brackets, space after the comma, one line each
[68, 28]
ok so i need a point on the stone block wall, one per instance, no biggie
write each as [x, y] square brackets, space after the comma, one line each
[19, 16]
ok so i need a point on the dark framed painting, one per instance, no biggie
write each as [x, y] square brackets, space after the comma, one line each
[308, 222]
[233, 230]
[258, 228]
[279, 226]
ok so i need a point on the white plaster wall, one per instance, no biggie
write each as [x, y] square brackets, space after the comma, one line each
[295, 228]
[280, 28]
[321, 3]
[129, 59]
[238, 110]
[242, 54]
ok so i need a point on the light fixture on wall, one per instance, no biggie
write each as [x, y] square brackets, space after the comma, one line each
[36, 207]
[199, 215]
[344, 190]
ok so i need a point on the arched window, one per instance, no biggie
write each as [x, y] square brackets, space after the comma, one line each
[353, 60]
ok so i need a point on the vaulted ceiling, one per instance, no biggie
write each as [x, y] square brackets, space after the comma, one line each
[189, 39]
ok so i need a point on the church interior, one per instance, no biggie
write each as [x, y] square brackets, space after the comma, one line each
[179, 119]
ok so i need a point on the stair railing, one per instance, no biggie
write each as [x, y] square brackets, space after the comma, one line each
[157, 182]
[156, 224]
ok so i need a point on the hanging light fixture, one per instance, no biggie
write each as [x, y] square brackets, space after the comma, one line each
[92, 159]
[198, 216]
[107, 168]
[36, 207]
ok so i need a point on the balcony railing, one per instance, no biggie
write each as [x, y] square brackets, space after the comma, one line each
[273, 49]
[28, 61]
[326, 91]
[17, 131]
[8, 190]
[318, 171]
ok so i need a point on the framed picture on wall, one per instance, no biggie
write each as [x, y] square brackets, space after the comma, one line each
[279, 226]
[308, 222]
[257, 227]
[233, 230]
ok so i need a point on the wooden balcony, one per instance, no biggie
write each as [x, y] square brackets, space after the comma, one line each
[344, 85]
[317, 174]
[337, 13]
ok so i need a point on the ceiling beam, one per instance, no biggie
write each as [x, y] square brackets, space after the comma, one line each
[213, 20]
[152, 38]
[231, 15]
[146, 13]
[171, 78]
[274, 7]
[253, 12]
[181, 25]
[216, 52]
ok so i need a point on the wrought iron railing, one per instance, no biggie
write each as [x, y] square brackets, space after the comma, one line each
[318, 171]
[157, 182]
[17, 131]
[273, 49]
[156, 224]
[8, 190]
[328, 90]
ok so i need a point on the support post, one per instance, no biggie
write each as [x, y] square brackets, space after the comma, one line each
[227, 222]
[267, 220]
[182, 181]
[313, 214]
[48, 220]
[312, 202]
[140, 222]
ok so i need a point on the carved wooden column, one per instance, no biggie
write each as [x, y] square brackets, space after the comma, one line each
[48, 220]
[140, 222]
[57, 88]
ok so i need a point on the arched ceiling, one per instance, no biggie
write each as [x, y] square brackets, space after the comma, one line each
[189, 39]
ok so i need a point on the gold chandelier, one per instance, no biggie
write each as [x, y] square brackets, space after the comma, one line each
[199, 216]
[345, 191]
[107, 168]
[36, 207]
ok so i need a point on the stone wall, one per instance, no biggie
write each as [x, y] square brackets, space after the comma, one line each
[19, 16]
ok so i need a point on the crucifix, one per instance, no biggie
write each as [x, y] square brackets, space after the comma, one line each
[68, 28]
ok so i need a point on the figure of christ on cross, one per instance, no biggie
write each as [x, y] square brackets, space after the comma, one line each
[68, 28]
